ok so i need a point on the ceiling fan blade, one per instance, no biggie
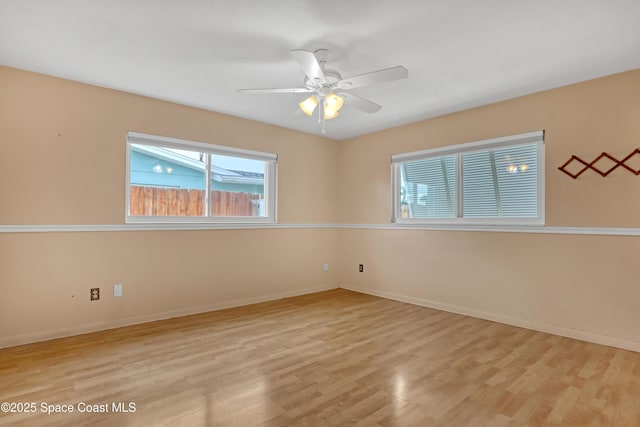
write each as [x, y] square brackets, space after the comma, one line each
[386, 75]
[292, 90]
[360, 103]
[309, 64]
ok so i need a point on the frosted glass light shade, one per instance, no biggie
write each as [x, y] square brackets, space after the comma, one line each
[309, 105]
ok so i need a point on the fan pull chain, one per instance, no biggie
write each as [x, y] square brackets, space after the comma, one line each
[321, 116]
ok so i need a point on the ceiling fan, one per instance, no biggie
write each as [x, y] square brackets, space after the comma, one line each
[329, 91]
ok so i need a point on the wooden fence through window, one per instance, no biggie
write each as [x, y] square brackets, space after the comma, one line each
[148, 201]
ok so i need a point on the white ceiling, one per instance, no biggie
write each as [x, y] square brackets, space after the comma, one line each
[459, 53]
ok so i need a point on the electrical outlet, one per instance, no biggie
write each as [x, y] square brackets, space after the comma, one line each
[326, 267]
[95, 294]
[361, 268]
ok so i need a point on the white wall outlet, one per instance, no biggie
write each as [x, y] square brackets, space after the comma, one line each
[117, 290]
[326, 267]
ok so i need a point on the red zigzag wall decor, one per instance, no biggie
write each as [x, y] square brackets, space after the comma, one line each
[586, 166]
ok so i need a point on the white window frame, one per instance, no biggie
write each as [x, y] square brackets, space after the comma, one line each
[270, 180]
[458, 150]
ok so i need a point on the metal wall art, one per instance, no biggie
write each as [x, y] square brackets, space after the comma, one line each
[586, 166]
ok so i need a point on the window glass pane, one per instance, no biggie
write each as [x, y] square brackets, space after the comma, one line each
[166, 181]
[237, 186]
[517, 169]
[428, 188]
[478, 185]
[501, 182]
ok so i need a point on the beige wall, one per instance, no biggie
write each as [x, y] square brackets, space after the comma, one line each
[554, 282]
[46, 276]
[570, 282]
[62, 154]
[583, 119]
[62, 161]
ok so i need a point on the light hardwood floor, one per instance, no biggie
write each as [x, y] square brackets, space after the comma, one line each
[333, 358]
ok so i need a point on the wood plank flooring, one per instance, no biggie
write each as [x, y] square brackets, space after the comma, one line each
[333, 358]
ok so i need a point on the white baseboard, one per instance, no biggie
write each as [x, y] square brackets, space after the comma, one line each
[15, 340]
[508, 320]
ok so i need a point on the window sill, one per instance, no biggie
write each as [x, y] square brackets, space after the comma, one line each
[471, 223]
[217, 222]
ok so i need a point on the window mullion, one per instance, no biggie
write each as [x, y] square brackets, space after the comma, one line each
[269, 189]
[459, 187]
[496, 186]
[207, 186]
[445, 179]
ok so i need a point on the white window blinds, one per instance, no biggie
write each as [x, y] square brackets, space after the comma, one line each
[430, 187]
[492, 181]
[501, 182]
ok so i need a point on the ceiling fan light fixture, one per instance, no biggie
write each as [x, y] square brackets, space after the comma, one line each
[330, 113]
[334, 102]
[309, 105]
[321, 82]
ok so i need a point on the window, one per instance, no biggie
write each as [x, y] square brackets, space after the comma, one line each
[172, 180]
[497, 181]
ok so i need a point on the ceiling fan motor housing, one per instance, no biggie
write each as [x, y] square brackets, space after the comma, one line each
[332, 77]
